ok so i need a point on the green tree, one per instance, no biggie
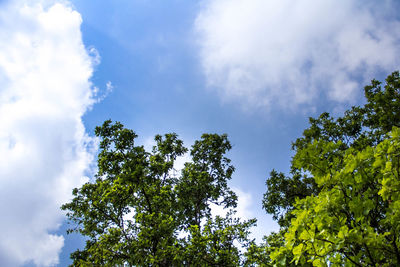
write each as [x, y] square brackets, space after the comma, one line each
[358, 128]
[137, 212]
[212, 245]
[354, 218]
[331, 206]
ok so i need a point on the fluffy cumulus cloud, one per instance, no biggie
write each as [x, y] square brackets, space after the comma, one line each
[288, 53]
[44, 91]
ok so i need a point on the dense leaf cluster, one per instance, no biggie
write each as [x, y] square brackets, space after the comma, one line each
[339, 205]
[138, 212]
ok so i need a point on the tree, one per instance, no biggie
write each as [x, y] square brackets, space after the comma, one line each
[334, 206]
[137, 212]
[354, 218]
[212, 245]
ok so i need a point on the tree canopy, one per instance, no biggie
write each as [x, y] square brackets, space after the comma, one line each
[340, 203]
[139, 212]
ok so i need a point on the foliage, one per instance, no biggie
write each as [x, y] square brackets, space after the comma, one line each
[334, 206]
[354, 220]
[359, 127]
[214, 244]
[138, 213]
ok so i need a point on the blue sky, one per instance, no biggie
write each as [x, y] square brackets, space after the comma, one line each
[255, 70]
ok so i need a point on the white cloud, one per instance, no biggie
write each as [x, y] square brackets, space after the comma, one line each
[44, 91]
[286, 53]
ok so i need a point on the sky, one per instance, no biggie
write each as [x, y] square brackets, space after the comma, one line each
[254, 69]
